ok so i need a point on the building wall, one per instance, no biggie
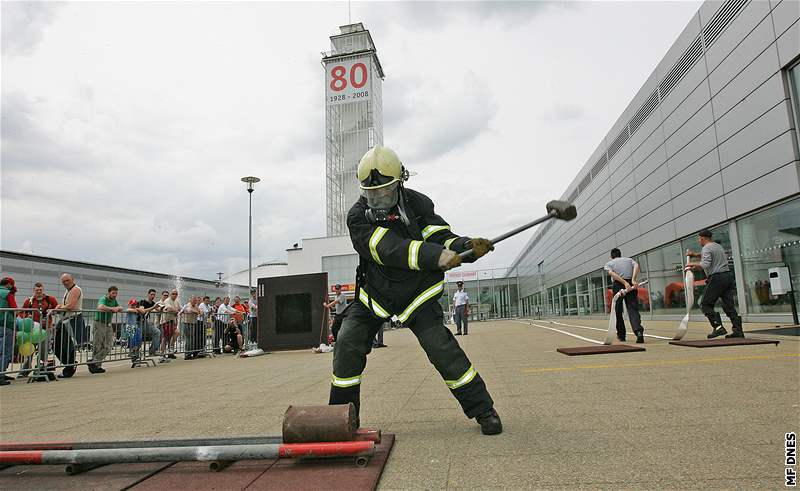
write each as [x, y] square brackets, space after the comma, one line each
[333, 255]
[94, 280]
[268, 270]
[711, 136]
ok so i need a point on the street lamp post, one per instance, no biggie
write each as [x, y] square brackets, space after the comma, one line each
[250, 180]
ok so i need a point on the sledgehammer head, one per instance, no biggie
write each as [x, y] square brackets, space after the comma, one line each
[562, 210]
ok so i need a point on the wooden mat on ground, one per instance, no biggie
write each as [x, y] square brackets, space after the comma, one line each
[253, 474]
[710, 343]
[599, 349]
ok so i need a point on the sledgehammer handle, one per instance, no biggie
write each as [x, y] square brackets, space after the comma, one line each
[517, 230]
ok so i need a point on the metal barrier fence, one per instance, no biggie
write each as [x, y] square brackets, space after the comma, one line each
[20, 335]
[90, 337]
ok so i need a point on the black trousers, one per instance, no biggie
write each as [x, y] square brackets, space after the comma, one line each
[63, 346]
[459, 317]
[232, 339]
[720, 286]
[355, 342]
[631, 300]
[253, 329]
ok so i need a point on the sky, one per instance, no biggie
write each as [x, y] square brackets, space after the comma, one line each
[126, 126]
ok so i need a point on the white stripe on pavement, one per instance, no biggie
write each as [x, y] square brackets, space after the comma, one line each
[562, 332]
[598, 329]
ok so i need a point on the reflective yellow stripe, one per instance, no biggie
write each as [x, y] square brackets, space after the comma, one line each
[448, 242]
[376, 307]
[413, 254]
[376, 237]
[345, 382]
[422, 298]
[463, 380]
[432, 229]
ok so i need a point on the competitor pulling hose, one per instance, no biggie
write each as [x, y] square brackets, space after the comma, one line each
[624, 270]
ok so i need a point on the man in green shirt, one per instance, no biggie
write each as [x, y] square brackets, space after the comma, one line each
[102, 332]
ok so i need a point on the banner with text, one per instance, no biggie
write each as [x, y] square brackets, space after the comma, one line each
[348, 80]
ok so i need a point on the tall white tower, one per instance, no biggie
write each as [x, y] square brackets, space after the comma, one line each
[353, 117]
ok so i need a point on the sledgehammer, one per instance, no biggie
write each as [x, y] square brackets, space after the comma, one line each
[555, 209]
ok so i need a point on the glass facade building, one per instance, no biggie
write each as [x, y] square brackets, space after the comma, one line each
[709, 141]
[767, 238]
[493, 293]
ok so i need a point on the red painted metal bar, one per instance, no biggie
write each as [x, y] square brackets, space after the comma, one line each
[327, 449]
[199, 453]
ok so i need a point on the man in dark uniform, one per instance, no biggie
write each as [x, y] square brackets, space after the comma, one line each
[404, 248]
[720, 284]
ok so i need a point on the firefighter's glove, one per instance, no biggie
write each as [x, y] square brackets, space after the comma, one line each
[480, 247]
[449, 260]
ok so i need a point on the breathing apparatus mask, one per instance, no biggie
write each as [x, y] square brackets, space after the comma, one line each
[382, 198]
[381, 176]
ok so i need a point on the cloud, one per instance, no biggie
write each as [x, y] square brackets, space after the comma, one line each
[28, 145]
[114, 207]
[435, 118]
[23, 25]
[562, 113]
[432, 15]
[127, 150]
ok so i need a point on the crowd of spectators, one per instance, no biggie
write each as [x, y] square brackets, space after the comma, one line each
[143, 327]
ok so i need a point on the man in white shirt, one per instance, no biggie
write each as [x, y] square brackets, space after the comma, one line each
[169, 329]
[204, 321]
[204, 308]
[461, 302]
[224, 313]
[192, 328]
[252, 316]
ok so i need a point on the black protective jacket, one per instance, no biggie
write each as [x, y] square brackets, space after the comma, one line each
[399, 264]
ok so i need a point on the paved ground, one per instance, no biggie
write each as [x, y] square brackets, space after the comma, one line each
[669, 418]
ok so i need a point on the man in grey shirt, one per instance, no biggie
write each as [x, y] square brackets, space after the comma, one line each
[339, 304]
[720, 284]
[624, 270]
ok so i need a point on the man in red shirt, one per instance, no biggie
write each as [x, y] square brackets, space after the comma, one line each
[43, 303]
[238, 316]
[241, 310]
[7, 324]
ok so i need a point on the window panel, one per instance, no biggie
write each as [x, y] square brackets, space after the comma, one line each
[666, 280]
[770, 239]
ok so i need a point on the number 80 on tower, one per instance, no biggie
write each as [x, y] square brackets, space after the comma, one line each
[347, 81]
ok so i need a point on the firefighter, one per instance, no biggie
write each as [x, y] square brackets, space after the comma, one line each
[404, 247]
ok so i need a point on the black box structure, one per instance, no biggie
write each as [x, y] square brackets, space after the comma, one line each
[290, 311]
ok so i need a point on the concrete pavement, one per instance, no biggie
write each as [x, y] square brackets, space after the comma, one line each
[671, 417]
